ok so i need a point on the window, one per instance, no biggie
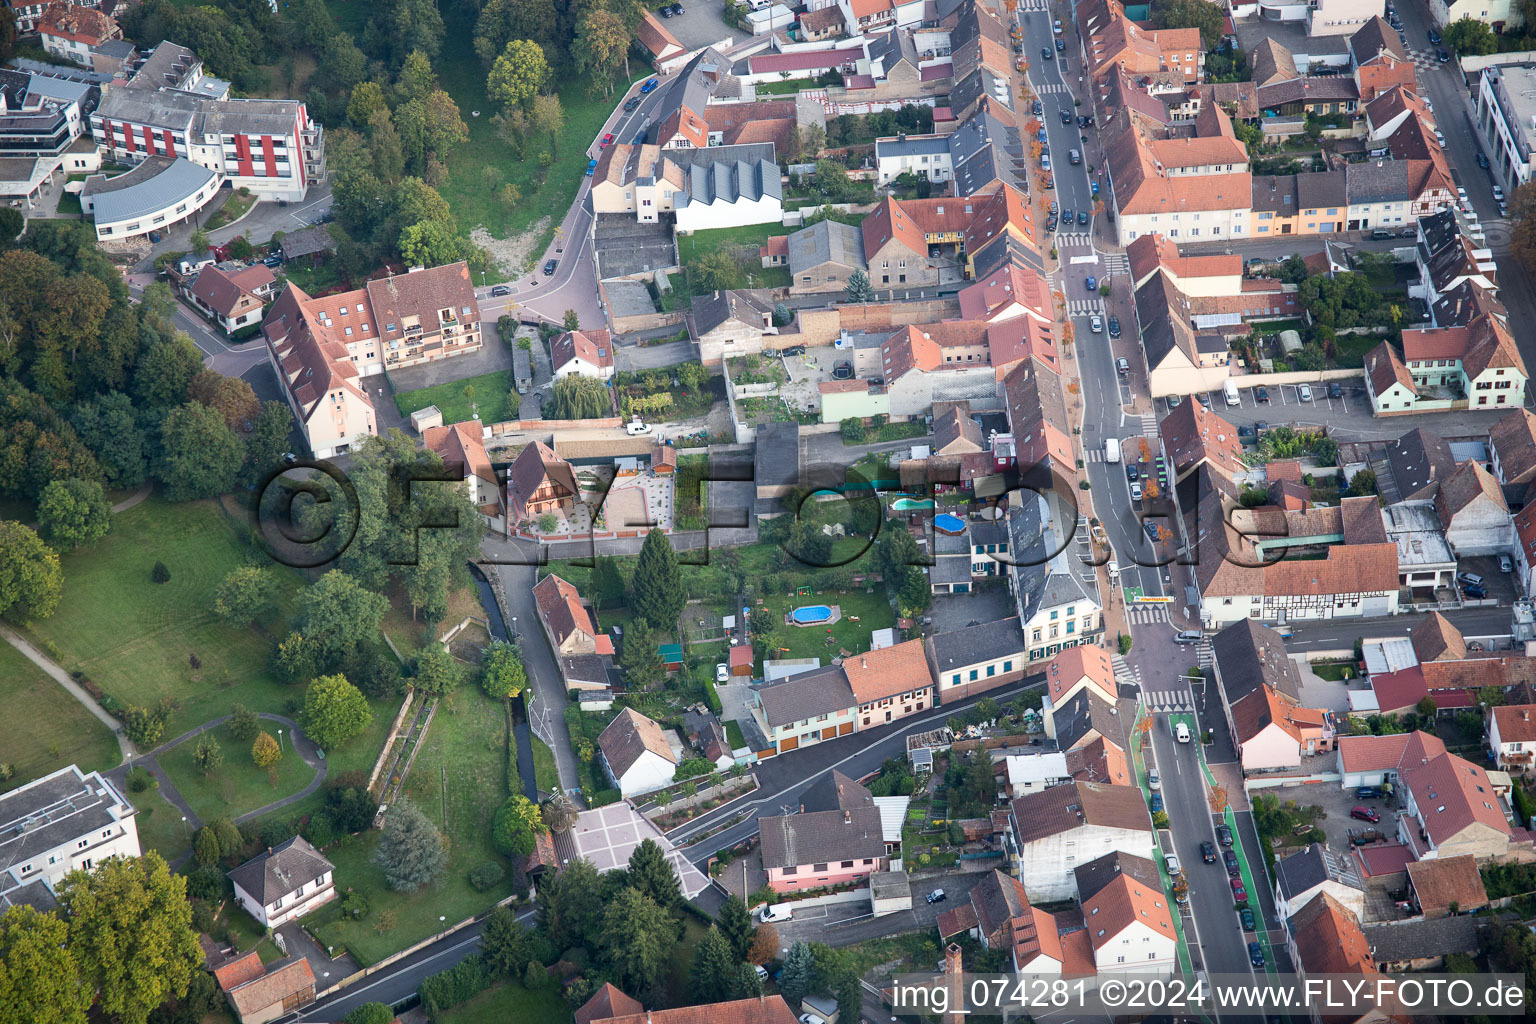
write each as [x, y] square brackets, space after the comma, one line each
[847, 863]
[1008, 665]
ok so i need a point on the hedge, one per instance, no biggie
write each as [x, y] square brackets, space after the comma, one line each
[459, 983]
[712, 697]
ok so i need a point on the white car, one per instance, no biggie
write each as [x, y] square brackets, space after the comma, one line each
[1498, 193]
[1096, 325]
[636, 427]
[1174, 867]
[1135, 490]
[1154, 779]
[722, 673]
[1303, 392]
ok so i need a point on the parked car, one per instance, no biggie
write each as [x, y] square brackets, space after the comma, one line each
[1157, 802]
[1229, 857]
[793, 350]
[1040, 134]
[649, 86]
[1135, 492]
[1476, 590]
[591, 167]
[1367, 793]
[678, 9]
[1442, 56]
[1061, 47]
[937, 896]
[500, 290]
[1150, 529]
[1245, 432]
[1174, 867]
[637, 427]
[1239, 890]
[1056, 26]
[154, 237]
[1208, 852]
[1434, 37]
[773, 913]
[1122, 367]
[666, 12]
[1037, 108]
[1360, 812]
[1082, 217]
[1335, 390]
[1304, 392]
[1498, 193]
[1470, 578]
[549, 267]
[606, 141]
[1482, 160]
[1082, 120]
[1154, 779]
[1095, 325]
[1505, 565]
[1204, 400]
[1114, 332]
[1045, 161]
[1256, 954]
[1261, 426]
[1224, 835]
[1261, 394]
[1051, 222]
[1245, 917]
[722, 673]
[1131, 472]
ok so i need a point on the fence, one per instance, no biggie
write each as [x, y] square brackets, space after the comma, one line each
[389, 742]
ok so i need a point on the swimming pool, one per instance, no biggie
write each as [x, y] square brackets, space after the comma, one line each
[811, 613]
[946, 523]
[909, 504]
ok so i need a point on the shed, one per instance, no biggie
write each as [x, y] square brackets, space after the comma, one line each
[1290, 342]
[522, 370]
[663, 460]
[422, 419]
[671, 656]
[741, 660]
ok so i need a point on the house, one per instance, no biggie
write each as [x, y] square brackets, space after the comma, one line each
[68, 820]
[587, 353]
[1446, 886]
[665, 53]
[678, 118]
[1313, 871]
[1502, 113]
[889, 683]
[806, 708]
[1057, 608]
[539, 482]
[1114, 42]
[1274, 733]
[1472, 367]
[1056, 828]
[1498, 14]
[1030, 773]
[1422, 944]
[462, 449]
[819, 848]
[998, 914]
[1093, 733]
[740, 659]
[977, 658]
[896, 248]
[1447, 255]
[1472, 512]
[1180, 359]
[319, 375]
[1512, 450]
[729, 323]
[1009, 291]
[1377, 760]
[1525, 549]
[756, 1010]
[1131, 927]
[566, 621]
[1194, 436]
[635, 754]
[1324, 938]
[312, 242]
[608, 1001]
[824, 256]
[73, 32]
[1512, 734]
[1388, 383]
[1072, 671]
[259, 993]
[234, 299]
[284, 883]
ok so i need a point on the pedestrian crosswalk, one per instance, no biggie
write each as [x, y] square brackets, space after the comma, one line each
[1148, 424]
[1205, 655]
[1123, 670]
[1147, 614]
[1182, 699]
[1050, 89]
[1034, 5]
[1085, 307]
[1065, 239]
[1115, 263]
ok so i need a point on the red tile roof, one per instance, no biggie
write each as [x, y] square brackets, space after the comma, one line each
[1445, 880]
[1085, 663]
[889, 221]
[225, 292]
[239, 971]
[1122, 903]
[1007, 285]
[594, 347]
[1516, 723]
[1382, 753]
[270, 990]
[561, 607]
[78, 24]
[460, 444]
[1453, 794]
[758, 1010]
[607, 1001]
[888, 672]
[1329, 938]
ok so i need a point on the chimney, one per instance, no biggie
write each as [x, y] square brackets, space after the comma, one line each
[847, 817]
[952, 972]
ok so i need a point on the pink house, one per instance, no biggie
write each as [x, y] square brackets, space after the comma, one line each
[815, 849]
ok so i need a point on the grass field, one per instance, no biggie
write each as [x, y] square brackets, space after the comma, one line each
[545, 773]
[547, 193]
[314, 280]
[238, 785]
[490, 398]
[506, 1002]
[742, 243]
[458, 781]
[133, 637]
[44, 728]
[872, 610]
[159, 824]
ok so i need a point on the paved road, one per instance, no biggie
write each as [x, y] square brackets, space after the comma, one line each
[1339, 634]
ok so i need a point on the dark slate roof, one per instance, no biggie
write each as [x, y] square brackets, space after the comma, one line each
[1438, 230]
[776, 456]
[1249, 655]
[1417, 937]
[1043, 575]
[1373, 38]
[710, 311]
[1099, 872]
[821, 837]
[1086, 712]
[1321, 189]
[1377, 181]
[807, 695]
[281, 870]
[35, 894]
[1313, 866]
[834, 791]
[988, 531]
[1420, 459]
[987, 642]
[1160, 312]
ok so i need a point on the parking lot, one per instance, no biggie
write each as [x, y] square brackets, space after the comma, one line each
[698, 26]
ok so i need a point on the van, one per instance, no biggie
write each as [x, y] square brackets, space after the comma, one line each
[1471, 579]
[1229, 392]
[1181, 733]
[1114, 569]
[1381, 236]
[1189, 636]
[774, 913]
[1112, 450]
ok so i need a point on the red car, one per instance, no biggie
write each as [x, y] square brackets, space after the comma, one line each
[607, 141]
[1239, 891]
[1364, 813]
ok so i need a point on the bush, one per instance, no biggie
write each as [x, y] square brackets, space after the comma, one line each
[355, 905]
[712, 697]
[459, 983]
[487, 876]
[692, 768]
[854, 431]
[140, 779]
[160, 574]
[1125, 643]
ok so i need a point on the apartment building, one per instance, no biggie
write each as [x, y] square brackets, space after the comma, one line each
[66, 821]
[1113, 42]
[1506, 113]
[1057, 608]
[710, 187]
[1187, 189]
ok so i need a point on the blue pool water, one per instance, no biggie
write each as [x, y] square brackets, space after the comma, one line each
[811, 613]
[948, 523]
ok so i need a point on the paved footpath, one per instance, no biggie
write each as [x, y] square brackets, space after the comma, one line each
[71, 687]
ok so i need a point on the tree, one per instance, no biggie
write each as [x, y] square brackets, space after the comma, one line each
[859, 288]
[781, 316]
[1209, 18]
[334, 711]
[231, 842]
[569, 907]
[505, 944]
[601, 47]
[502, 673]
[1522, 210]
[205, 846]
[373, 1013]
[437, 670]
[73, 512]
[657, 593]
[39, 975]
[31, 581]
[266, 443]
[208, 756]
[411, 851]
[199, 454]
[799, 969]
[130, 929]
[231, 396]
[337, 613]
[243, 723]
[850, 996]
[653, 875]
[736, 925]
[571, 321]
[1473, 38]
[159, 574]
[516, 825]
[559, 812]
[607, 584]
[265, 751]
[432, 243]
[914, 595]
[575, 397]
[247, 593]
[517, 74]
[714, 271]
[897, 552]
[765, 945]
[1426, 706]
[714, 974]
[637, 939]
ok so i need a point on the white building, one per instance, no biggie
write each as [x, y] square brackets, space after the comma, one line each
[63, 822]
[1131, 928]
[1512, 734]
[1030, 773]
[1057, 608]
[1497, 14]
[1059, 828]
[1506, 112]
[286, 882]
[155, 196]
[1317, 869]
[636, 756]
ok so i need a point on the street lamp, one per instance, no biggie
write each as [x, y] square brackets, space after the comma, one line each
[279, 741]
[185, 828]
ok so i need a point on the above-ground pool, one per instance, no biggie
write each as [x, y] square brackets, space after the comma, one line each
[946, 523]
[910, 504]
[810, 614]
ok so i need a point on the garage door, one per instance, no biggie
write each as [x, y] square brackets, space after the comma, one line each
[828, 734]
[845, 729]
[788, 743]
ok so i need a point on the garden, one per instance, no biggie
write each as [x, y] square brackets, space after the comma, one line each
[460, 400]
[236, 786]
[724, 258]
[670, 393]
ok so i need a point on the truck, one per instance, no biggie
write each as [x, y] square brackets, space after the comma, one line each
[1112, 450]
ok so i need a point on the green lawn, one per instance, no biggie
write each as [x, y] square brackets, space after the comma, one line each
[44, 728]
[315, 280]
[159, 824]
[547, 194]
[133, 637]
[873, 611]
[233, 209]
[509, 1002]
[458, 781]
[490, 398]
[1350, 350]
[238, 785]
[742, 243]
[545, 772]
